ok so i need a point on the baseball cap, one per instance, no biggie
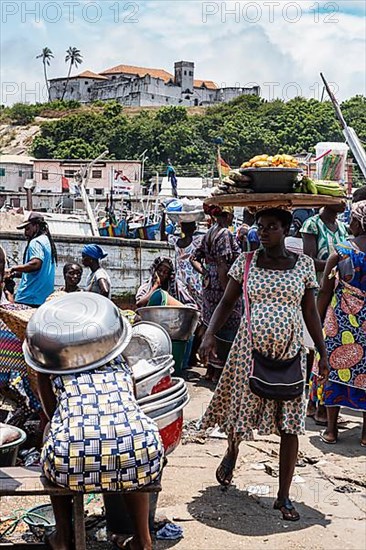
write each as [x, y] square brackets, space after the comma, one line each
[32, 217]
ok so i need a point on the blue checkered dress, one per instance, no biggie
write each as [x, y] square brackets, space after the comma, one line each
[99, 438]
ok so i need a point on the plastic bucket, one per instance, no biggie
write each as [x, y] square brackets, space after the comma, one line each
[9, 451]
[178, 351]
[41, 520]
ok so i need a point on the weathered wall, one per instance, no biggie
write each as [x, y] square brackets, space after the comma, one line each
[127, 263]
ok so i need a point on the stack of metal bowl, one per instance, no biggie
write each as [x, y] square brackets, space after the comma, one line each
[97, 334]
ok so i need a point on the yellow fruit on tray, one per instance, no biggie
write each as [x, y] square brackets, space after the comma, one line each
[258, 158]
[261, 164]
[245, 165]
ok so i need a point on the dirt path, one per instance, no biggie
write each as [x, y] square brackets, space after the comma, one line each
[215, 519]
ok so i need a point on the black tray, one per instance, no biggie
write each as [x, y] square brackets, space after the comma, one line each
[272, 180]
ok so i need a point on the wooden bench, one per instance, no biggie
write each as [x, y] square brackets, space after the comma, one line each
[18, 481]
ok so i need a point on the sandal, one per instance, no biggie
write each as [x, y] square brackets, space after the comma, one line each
[340, 422]
[289, 512]
[227, 465]
[324, 438]
[121, 544]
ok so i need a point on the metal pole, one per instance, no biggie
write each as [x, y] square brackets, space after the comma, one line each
[85, 178]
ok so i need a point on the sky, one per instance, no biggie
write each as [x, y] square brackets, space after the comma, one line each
[281, 46]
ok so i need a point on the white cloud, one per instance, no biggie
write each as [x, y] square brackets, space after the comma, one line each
[226, 48]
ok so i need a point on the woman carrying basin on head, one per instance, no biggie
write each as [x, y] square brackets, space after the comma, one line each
[277, 283]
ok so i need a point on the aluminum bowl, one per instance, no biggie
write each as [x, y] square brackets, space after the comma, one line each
[180, 322]
[74, 333]
[148, 340]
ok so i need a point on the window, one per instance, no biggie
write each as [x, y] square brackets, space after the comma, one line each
[45, 174]
[185, 73]
[69, 173]
[190, 73]
[88, 90]
[20, 173]
[2, 171]
[152, 96]
[196, 102]
[99, 191]
[31, 175]
[87, 191]
[86, 82]
[97, 174]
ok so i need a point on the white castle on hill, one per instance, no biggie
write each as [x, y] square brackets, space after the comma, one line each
[142, 87]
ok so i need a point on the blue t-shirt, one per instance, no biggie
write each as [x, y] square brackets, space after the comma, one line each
[34, 288]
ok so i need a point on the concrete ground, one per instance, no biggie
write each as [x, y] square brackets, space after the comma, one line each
[329, 491]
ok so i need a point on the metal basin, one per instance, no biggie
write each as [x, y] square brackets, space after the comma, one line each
[178, 384]
[76, 332]
[159, 381]
[148, 340]
[180, 322]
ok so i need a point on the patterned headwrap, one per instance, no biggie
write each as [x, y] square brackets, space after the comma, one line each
[359, 212]
[214, 210]
[172, 279]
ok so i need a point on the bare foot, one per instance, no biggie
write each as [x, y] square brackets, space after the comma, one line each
[55, 541]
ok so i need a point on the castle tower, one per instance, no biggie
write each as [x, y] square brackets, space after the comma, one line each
[184, 75]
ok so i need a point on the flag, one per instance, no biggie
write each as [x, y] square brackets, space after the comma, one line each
[119, 185]
[118, 174]
[222, 166]
[65, 185]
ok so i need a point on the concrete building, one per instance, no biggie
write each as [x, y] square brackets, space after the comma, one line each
[55, 176]
[144, 87]
[14, 170]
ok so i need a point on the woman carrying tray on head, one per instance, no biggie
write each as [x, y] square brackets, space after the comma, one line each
[341, 302]
[279, 282]
[213, 259]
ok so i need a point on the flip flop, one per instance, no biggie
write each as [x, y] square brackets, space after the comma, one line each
[228, 465]
[322, 436]
[288, 510]
[340, 422]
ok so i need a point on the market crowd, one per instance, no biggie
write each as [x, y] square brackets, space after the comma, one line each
[285, 291]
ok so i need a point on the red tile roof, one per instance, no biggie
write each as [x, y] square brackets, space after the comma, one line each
[90, 74]
[202, 83]
[138, 71]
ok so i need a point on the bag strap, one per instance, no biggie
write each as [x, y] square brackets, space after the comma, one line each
[248, 261]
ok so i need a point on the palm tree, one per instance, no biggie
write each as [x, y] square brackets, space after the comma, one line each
[46, 57]
[73, 55]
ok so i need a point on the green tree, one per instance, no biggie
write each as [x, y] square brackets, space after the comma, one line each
[76, 148]
[46, 55]
[43, 148]
[74, 57]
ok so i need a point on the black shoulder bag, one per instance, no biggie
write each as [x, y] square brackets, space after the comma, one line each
[280, 380]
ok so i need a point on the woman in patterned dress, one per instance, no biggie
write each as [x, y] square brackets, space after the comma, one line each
[213, 259]
[320, 234]
[98, 440]
[279, 283]
[342, 303]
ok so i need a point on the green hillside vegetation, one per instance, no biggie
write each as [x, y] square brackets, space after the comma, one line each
[248, 126]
